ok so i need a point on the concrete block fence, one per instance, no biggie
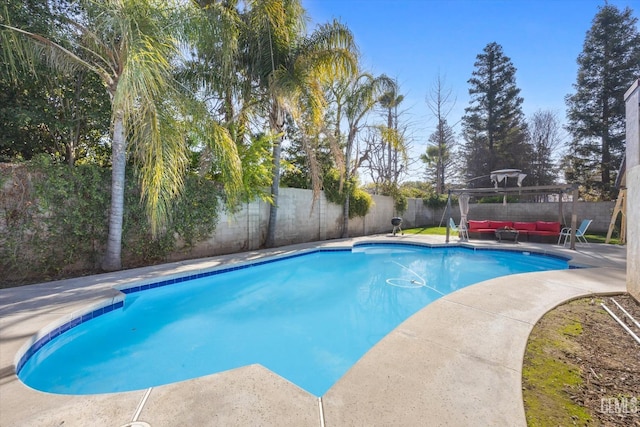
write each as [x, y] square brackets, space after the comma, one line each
[302, 220]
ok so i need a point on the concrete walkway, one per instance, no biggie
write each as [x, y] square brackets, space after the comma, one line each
[457, 362]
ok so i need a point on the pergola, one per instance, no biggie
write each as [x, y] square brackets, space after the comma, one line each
[559, 189]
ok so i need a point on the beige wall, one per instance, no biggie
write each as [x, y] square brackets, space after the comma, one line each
[632, 98]
[299, 220]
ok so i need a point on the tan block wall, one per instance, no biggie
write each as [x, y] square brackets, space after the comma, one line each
[632, 99]
[299, 220]
[633, 231]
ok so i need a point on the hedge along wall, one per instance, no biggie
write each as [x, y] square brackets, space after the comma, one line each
[53, 220]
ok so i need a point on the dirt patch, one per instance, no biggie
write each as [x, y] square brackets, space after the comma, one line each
[582, 368]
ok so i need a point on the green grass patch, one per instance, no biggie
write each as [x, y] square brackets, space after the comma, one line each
[600, 238]
[549, 378]
[572, 329]
[556, 379]
[439, 231]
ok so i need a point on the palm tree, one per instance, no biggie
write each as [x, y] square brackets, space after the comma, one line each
[355, 98]
[133, 45]
[291, 69]
[390, 102]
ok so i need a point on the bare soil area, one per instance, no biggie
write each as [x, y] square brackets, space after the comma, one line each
[582, 368]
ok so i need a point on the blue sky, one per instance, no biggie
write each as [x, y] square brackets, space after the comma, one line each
[415, 40]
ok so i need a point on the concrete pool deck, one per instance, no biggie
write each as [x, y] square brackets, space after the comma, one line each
[456, 362]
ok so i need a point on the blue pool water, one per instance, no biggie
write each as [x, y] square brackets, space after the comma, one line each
[308, 318]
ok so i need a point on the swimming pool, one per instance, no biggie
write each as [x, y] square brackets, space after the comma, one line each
[307, 317]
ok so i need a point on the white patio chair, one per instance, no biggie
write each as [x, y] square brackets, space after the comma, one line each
[566, 233]
[461, 230]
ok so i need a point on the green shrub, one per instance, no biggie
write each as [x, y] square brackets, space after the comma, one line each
[497, 199]
[401, 202]
[436, 201]
[73, 213]
[359, 201]
[56, 219]
[331, 187]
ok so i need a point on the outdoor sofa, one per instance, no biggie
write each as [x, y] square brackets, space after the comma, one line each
[534, 231]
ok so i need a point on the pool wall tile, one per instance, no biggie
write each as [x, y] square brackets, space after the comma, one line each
[30, 348]
[202, 274]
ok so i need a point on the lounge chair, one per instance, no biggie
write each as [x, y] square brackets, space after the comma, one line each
[461, 230]
[566, 233]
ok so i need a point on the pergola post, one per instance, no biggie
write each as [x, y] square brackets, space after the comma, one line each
[574, 217]
[447, 214]
[560, 193]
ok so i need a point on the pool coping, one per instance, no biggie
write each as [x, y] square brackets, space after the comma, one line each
[383, 388]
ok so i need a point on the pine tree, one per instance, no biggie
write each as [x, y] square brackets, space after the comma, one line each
[607, 66]
[439, 155]
[493, 127]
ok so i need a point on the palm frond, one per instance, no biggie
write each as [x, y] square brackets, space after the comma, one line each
[221, 149]
[162, 159]
[393, 137]
[22, 50]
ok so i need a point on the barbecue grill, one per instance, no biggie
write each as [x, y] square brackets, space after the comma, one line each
[397, 222]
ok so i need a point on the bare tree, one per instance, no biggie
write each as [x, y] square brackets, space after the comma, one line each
[438, 156]
[375, 158]
[386, 170]
[546, 139]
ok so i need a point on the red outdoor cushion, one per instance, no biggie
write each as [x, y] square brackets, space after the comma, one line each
[500, 224]
[548, 226]
[474, 225]
[528, 226]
